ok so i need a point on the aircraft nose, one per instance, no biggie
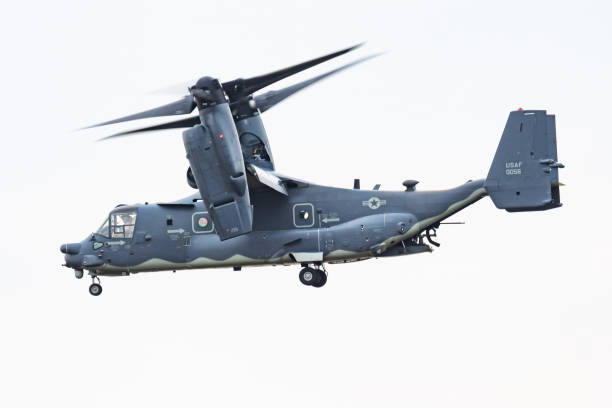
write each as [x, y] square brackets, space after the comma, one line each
[73, 261]
[70, 249]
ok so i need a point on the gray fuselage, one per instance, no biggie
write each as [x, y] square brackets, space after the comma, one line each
[312, 224]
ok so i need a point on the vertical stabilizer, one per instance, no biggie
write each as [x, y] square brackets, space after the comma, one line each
[524, 175]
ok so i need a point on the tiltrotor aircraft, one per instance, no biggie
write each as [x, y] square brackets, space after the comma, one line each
[245, 213]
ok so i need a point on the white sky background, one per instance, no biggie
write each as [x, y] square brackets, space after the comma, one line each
[512, 311]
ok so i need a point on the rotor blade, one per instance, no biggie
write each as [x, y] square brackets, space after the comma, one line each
[239, 88]
[183, 123]
[173, 89]
[180, 107]
[265, 101]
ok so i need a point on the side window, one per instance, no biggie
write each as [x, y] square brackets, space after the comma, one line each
[201, 223]
[122, 224]
[303, 215]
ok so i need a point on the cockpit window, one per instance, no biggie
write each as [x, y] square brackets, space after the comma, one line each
[122, 224]
[103, 230]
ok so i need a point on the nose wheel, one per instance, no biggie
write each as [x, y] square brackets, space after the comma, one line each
[95, 289]
[315, 277]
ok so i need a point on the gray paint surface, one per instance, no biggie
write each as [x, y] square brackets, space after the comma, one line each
[245, 213]
[342, 225]
[316, 224]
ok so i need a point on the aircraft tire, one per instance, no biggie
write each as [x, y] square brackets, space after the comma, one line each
[95, 289]
[308, 276]
[320, 279]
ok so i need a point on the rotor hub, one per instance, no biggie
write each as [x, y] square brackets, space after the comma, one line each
[208, 92]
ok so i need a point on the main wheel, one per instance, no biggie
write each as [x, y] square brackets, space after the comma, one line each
[95, 289]
[307, 276]
[320, 278]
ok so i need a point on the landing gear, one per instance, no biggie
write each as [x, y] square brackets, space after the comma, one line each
[321, 278]
[307, 276]
[315, 277]
[95, 289]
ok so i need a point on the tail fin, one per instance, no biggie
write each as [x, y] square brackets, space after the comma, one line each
[524, 175]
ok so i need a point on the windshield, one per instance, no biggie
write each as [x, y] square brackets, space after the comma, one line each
[103, 230]
[122, 224]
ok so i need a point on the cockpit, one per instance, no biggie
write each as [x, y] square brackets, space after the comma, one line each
[119, 224]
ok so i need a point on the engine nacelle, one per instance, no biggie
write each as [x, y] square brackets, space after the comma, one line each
[217, 167]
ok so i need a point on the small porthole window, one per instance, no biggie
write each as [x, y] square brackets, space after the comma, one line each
[201, 223]
[303, 215]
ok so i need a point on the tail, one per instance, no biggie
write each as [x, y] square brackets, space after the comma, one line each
[524, 175]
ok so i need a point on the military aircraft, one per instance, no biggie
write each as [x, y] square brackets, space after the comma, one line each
[245, 213]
